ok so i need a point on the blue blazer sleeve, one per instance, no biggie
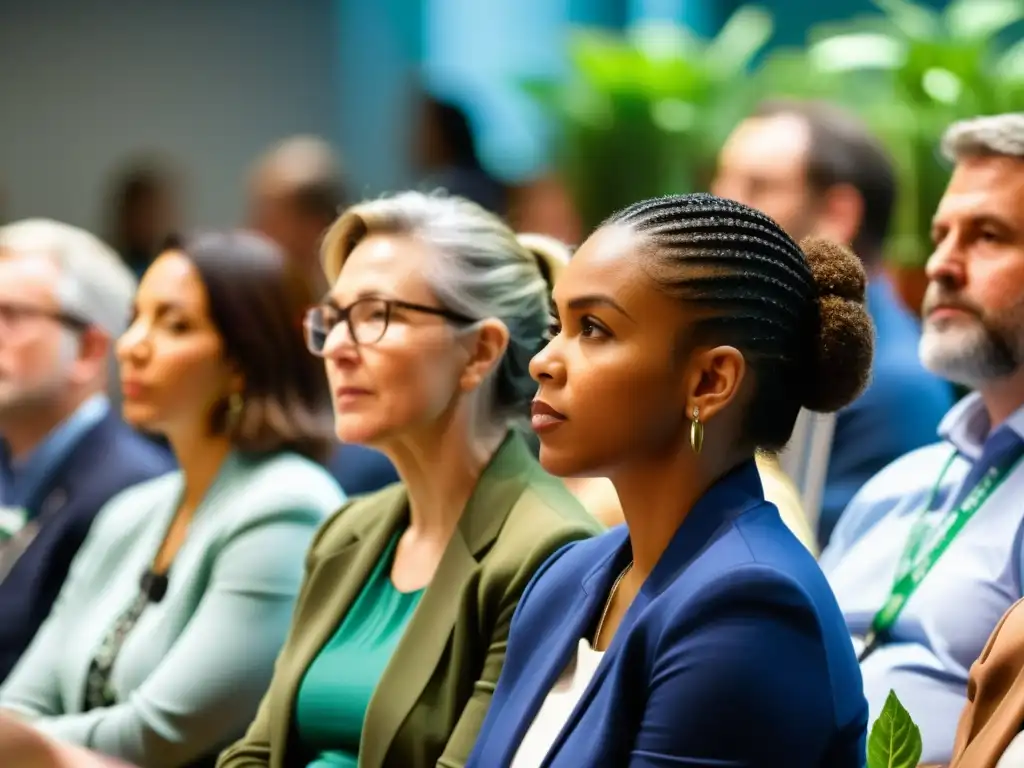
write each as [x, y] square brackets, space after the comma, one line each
[742, 682]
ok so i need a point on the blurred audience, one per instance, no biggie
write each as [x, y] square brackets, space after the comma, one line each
[922, 578]
[64, 297]
[446, 156]
[400, 631]
[817, 171]
[143, 210]
[544, 204]
[179, 600]
[296, 192]
[690, 332]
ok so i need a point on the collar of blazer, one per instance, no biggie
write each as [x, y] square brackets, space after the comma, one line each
[342, 559]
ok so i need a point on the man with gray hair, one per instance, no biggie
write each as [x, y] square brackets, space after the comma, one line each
[64, 298]
[930, 553]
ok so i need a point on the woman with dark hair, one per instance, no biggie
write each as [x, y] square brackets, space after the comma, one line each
[689, 332]
[163, 638]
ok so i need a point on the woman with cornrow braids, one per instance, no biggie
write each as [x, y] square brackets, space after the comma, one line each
[690, 332]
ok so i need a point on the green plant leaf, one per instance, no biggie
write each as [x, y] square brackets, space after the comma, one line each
[547, 92]
[858, 51]
[741, 38]
[981, 19]
[914, 21]
[606, 61]
[856, 25]
[1011, 63]
[895, 740]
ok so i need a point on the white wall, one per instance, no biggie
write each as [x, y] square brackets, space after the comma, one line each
[211, 82]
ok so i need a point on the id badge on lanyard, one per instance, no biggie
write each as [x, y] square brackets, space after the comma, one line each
[16, 532]
[12, 521]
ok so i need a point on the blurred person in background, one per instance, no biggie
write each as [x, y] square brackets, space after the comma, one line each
[817, 171]
[143, 211]
[163, 638]
[64, 452]
[400, 631]
[296, 191]
[930, 553]
[446, 156]
[597, 494]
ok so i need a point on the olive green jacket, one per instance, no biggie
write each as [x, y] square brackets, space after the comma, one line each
[435, 691]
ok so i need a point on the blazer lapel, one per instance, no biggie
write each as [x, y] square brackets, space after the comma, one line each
[729, 497]
[425, 638]
[640, 602]
[557, 651]
[417, 654]
[333, 586]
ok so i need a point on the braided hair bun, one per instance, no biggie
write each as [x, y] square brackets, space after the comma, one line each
[844, 347]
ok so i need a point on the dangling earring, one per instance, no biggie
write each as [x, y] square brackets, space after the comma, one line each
[236, 405]
[696, 431]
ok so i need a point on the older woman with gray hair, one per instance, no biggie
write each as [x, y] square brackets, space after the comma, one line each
[400, 630]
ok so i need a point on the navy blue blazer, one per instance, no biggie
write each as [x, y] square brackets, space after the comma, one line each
[107, 459]
[734, 653]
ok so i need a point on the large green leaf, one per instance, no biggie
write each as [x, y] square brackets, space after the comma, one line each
[895, 740]
[912, 20]
[604, 61]
[859, 50]
[742, 37]
[1010, 65]
[981, 19]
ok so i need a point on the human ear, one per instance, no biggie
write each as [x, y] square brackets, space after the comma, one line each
[92, 354]
[486, 347]
[840, 214]
[713, 380]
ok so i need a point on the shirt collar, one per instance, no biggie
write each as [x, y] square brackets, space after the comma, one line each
[967, 425]
[55, 446]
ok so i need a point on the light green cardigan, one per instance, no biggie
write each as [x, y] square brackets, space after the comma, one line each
[190, 675]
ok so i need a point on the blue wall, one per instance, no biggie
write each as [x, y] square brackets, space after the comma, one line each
[378, 56]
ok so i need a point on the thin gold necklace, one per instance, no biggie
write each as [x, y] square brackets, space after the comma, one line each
[608, 603]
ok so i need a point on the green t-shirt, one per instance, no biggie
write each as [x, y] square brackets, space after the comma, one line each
[336, 689]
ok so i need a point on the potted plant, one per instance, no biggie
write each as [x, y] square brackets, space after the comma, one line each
[643, 114]
[910, 72]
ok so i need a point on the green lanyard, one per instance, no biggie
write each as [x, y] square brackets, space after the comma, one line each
[914, 564]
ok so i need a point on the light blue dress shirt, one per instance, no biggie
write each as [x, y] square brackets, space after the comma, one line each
[21, 481]
[946, 622]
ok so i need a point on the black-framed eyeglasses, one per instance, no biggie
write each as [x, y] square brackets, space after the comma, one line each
[13, 313]
[367, 320]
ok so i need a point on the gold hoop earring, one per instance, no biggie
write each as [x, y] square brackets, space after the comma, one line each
[696, 431]
[236, 406]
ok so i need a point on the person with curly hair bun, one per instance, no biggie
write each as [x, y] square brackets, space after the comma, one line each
[691, 330]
